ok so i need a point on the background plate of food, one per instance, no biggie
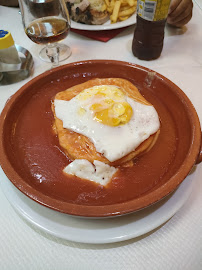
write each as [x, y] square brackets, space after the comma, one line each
[86, 141]
[101, 14]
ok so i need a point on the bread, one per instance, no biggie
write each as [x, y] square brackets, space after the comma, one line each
[88, 11]
[77, 146]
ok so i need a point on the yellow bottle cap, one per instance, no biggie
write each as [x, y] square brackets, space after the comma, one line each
[6, 39]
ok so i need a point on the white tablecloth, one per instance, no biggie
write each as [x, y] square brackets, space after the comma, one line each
[177, 244]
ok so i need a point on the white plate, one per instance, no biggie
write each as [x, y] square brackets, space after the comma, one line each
[97, 231]
[107, 26]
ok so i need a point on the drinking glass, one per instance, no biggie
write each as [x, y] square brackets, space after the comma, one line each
[47, 22]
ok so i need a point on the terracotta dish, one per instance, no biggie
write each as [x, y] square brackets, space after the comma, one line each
[33, 160]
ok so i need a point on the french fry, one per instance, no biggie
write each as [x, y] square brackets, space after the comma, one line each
[112, 3]
[115, 12]
[127, 12]
[131, 2]
[104, 7]
[123, 2]
[110, 8]
[107, 2]
[123, 18]
[125, 7]
[120, 10]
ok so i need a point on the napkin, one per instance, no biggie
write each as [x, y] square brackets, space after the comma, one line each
[104, 35]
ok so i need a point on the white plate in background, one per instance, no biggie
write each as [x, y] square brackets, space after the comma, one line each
[106, 26]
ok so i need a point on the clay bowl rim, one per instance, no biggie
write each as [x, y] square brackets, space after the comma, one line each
[193, 156]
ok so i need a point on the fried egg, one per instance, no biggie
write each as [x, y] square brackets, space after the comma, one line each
[115, 123]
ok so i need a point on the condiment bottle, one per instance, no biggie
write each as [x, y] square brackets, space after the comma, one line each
[149, 32]
[8, 51]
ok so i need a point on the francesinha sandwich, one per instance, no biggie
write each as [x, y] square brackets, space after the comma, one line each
[103, 124]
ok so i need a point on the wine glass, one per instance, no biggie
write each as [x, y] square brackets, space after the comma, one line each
[47, 22]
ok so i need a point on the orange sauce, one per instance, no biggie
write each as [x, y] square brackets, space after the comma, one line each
[35, 145]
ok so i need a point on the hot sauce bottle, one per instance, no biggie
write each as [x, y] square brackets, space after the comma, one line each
[149, 32]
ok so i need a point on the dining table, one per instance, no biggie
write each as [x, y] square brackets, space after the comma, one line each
[156, 239]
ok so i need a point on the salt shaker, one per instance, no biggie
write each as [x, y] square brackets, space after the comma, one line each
[8, 51]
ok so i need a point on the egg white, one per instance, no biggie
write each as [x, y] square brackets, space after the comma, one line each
[97, 172]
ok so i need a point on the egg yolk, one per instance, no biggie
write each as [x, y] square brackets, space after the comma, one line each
[117, 114]
[108, 104]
